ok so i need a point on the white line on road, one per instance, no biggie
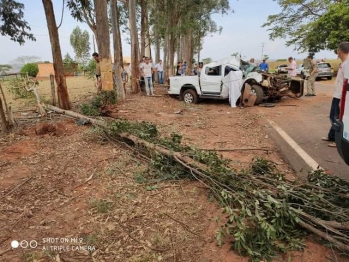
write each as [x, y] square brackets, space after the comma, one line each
[304, 155]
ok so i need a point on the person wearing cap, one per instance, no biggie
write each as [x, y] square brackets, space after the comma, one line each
[313, 70]
[264, 66]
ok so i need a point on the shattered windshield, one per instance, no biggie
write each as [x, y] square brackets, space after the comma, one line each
[246, 67]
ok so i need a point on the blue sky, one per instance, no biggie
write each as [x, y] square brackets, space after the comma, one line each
[242, 32]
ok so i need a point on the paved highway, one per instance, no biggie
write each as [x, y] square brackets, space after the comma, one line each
[306, 121]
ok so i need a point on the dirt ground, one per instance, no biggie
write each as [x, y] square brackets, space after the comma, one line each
[72, 196]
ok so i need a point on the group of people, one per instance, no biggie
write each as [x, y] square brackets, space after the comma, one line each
[311, 69]
[147, 72]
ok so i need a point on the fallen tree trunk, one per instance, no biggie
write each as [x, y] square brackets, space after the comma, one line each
[77, 115]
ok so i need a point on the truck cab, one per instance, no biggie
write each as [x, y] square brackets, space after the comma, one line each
[342, 125]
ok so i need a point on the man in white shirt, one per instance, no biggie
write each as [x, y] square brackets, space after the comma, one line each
[292, 69]
[160, 69]
[342, 52]
[146, 69]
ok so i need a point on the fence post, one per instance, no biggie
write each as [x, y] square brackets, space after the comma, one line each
[53, 91]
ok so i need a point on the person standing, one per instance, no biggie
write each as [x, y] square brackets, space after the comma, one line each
[179, 69]
[147, 74]
[152, 69]
[160, 69]
[342, 52]
[98, 72]
[264, 66]
[252, 62]
[141, 80]
[312, 69]
[292, 69]
[184, 68]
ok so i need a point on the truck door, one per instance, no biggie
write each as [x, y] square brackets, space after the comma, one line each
[211, 80]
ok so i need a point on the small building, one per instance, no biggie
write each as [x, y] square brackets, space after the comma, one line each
[45, 69]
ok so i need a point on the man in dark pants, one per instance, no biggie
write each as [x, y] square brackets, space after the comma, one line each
[342, 52]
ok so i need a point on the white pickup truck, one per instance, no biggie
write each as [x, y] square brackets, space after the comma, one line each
[212, 83]
[209, 84]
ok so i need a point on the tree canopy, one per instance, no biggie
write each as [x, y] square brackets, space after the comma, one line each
[80, 42]
[310, 25]
[12, 21]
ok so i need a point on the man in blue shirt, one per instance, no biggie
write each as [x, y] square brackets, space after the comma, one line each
[264, 66]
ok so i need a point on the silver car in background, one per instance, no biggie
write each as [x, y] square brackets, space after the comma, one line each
[325, 70]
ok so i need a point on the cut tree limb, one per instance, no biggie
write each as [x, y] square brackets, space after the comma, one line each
[328, 230]
[324, 235]
[77, 115]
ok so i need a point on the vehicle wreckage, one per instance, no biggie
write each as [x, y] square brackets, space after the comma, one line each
[261, 86]
[233, 78]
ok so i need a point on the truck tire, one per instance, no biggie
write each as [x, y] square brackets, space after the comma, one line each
[190, 96]
[259, 92]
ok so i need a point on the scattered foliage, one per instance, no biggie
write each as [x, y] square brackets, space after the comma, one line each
[94, 108]
[265, 213]
[16, 87]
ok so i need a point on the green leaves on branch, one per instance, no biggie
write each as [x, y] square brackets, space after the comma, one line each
[32, 69]
[310, 25]
[13, 23]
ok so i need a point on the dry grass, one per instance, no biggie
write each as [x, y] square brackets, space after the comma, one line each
[79, 87]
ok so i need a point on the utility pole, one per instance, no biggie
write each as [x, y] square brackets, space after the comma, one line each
[262, 51]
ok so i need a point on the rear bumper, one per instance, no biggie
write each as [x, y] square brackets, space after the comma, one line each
[324, 74]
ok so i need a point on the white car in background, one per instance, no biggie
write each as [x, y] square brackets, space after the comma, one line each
[300, 70]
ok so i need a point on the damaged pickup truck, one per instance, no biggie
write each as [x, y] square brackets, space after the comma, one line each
[237, 80]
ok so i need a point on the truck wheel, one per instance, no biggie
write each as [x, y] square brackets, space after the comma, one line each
[190, 96]
[259, 92]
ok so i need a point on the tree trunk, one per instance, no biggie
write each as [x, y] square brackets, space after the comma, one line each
[189, 51]
[156, 35]
[143, 26]
[4, 122]
[147, 44]
[134, 46]
[103, 43]
[166, 60]
[62, 90]
[116, 41]
[171, 52]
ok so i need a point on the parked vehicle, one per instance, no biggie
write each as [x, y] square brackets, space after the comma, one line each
[325, 70]
[281, 69]
[209, 84]
[300, 70]
[342, 125]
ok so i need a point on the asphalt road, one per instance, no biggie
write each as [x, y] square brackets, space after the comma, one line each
[306, 121]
